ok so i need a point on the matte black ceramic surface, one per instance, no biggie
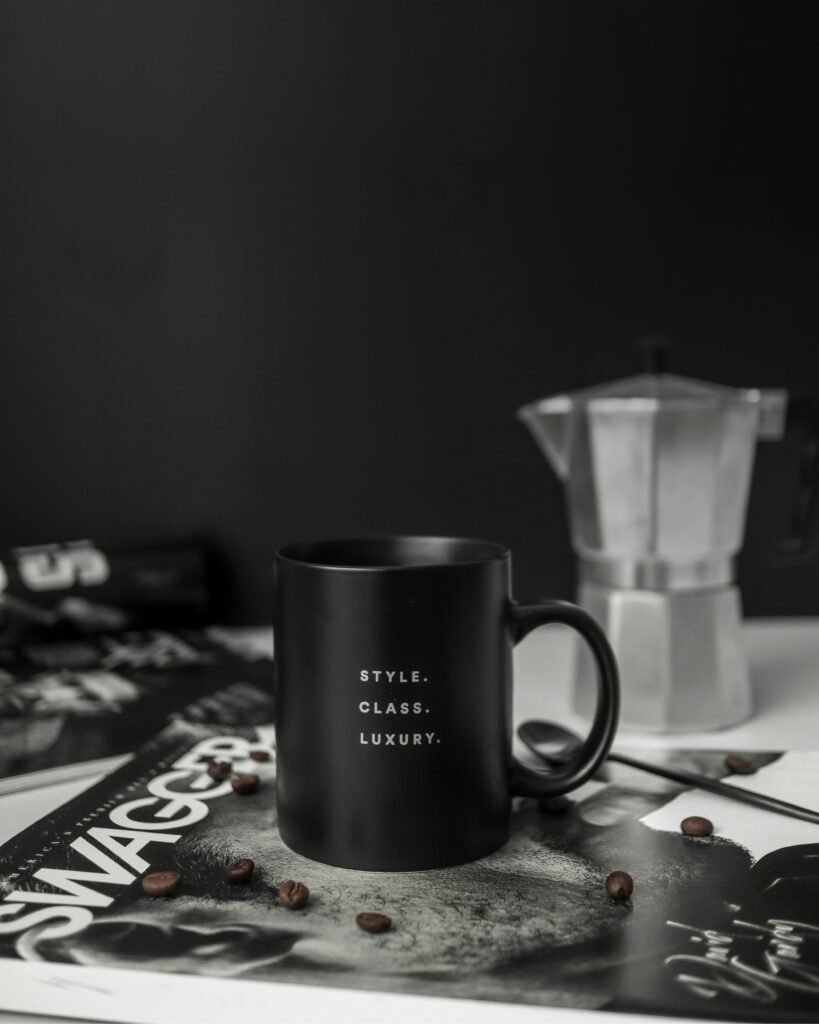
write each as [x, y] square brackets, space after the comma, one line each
[393, 664]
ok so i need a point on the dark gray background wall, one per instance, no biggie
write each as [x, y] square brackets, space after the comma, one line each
[280, 269]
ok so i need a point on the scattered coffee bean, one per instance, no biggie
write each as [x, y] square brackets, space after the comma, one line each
[245, 784]
[375, 923]
[293, 894]
[161, 883]
[260, 755]
[620, 885]
[739, 765]
[241, 870]
[219, 769]
[696, 826]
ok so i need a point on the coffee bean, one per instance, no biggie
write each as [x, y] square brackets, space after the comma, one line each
[739, 765]
[293, 894]
[219, 769]
[375, 923]
[241, 870]
[245, 784]
[696, 826]
[620, 885]
[161, 883]
[260, 755]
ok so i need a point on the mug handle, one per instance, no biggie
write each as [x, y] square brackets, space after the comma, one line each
[525, 781]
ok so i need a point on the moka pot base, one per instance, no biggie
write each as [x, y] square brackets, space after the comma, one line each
[682, 660]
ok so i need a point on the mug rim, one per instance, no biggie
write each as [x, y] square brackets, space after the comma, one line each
[315, 554]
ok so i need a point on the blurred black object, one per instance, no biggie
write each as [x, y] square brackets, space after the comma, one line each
[799, 546]
[77, 587]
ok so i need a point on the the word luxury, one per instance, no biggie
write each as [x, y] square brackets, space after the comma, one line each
[398, 739]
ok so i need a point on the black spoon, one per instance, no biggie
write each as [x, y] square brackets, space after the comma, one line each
[556, 745]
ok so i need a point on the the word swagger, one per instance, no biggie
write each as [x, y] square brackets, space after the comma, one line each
[66, 898]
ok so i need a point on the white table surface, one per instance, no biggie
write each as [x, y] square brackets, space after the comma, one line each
[784, 660]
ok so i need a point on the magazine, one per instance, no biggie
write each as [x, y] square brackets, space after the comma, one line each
[85, 701]
[724, 927]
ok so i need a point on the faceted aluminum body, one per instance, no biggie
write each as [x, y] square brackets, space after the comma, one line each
[657, 471]
[681, 657]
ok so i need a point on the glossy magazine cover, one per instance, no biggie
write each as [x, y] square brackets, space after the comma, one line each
[79, 700]
[100, 647]
[722, 927]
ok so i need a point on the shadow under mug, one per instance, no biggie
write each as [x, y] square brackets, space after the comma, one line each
[393, 675]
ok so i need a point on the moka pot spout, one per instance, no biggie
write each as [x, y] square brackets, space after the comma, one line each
[550, 424]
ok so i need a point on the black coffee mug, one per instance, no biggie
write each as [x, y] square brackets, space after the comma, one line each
[393, 668]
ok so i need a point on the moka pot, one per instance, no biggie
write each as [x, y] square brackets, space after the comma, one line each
[657, 470]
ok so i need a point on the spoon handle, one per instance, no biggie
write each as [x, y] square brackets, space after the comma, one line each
[744, 796]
